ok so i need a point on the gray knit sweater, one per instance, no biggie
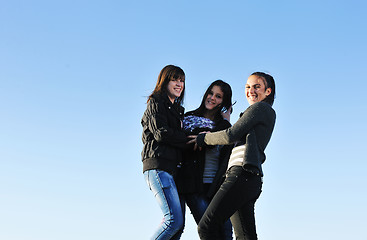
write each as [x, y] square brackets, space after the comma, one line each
[253, 129]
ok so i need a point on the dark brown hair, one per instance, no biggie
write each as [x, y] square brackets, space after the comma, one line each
[269, 83]
[227, 100]
[168, 73]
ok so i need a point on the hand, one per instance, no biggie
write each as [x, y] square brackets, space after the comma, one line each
[227, 114]
[193, 140]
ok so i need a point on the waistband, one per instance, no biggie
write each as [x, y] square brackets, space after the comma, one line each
[252, 169]
[246, 169]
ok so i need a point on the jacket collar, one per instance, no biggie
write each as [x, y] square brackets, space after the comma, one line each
[177, 109]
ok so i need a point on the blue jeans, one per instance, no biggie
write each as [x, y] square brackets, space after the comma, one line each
[198, 203]
[164, 189]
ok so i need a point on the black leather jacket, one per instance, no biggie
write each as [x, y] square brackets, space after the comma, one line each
[162, 137]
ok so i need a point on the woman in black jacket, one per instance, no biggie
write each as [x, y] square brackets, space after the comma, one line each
[243, 183]
[163, 140]
[203, 171]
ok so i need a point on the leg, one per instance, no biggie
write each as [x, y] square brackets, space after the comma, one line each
[243, 219]
[244, 222]
[227, 230]
[198, 203]
[164, 189]
[183, 208]
[237, 189]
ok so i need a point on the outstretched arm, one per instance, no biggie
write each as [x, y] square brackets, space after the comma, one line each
[254, 114]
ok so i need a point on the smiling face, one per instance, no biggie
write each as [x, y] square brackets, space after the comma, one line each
[256, 90]
[214, 98]
[175, 88]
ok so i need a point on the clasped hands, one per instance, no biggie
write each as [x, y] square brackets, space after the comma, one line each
[193, 140]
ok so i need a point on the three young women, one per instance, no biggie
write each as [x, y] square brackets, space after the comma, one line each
[163, 141]
[202, 171]
[242, 186]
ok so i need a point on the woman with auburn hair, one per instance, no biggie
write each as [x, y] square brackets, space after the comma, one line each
[163, 140]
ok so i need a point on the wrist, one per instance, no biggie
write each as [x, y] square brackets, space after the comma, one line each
[200, 140]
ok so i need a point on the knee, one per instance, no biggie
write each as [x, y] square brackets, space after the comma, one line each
[200, 232]
[176, 224]
[205, 234]
[211, 230]
[179, 223]
[202, 229]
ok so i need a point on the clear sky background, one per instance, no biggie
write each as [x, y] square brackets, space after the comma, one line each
[74, 76]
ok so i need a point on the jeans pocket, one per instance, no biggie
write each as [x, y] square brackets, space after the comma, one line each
[231, 178]
[234, 172]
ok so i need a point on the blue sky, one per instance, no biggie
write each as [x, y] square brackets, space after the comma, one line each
[74, 76]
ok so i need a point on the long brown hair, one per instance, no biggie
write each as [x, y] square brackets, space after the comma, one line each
[227, 100]
[168, 73]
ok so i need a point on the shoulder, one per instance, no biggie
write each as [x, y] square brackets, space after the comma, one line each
[222, 124]
[260, 105]
[260, 111]
[155, 104]
[190, 113]
[264, 107]
[195, 112]
[154, 99]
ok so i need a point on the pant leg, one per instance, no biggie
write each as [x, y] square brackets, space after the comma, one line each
[183, 209]
[227, 230]
[164, 189]
[198, 203]
[238, 189]
[243, 221]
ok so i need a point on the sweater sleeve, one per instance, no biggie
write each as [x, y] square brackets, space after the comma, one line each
[159, 127]
[254, 114]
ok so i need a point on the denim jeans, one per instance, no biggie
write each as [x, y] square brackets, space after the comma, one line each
[235, 199]
[198, 203]
[164, 189]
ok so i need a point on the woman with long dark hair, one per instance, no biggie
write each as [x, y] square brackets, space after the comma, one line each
[202, 171]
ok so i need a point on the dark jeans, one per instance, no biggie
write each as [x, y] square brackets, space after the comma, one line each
[235, 199]
[198, 203]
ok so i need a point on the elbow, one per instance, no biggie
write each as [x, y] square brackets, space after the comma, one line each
[231, 137]
[230, 140]
[159, 138]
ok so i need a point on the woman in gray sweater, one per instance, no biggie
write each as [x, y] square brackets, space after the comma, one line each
[251, 133]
